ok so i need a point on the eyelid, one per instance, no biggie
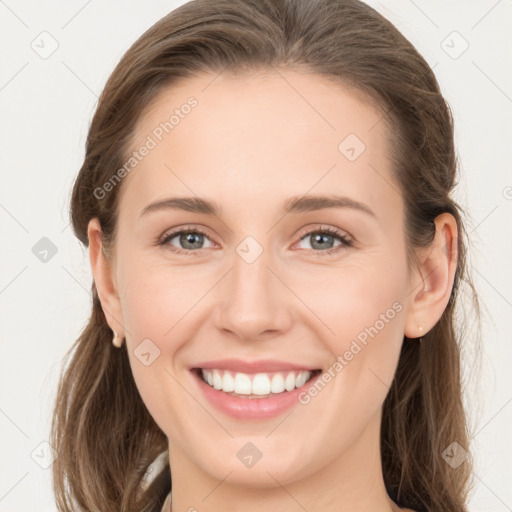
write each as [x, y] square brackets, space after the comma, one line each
[173, 232]
[341, 233]
[346, 239]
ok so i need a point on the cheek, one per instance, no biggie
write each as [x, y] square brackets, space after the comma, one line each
[358, 302]
[155, 297]
[154, 305]
[363, 313]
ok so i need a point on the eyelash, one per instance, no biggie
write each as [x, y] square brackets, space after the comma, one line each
[345, 240]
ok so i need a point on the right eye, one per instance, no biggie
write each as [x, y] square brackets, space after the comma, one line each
[190, 238]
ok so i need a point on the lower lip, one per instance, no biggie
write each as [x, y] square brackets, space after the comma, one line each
[252, 408]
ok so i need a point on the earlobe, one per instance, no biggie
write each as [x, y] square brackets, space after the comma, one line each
[104, 278]
[433, 280]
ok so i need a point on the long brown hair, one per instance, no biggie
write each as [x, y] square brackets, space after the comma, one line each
[105, 437]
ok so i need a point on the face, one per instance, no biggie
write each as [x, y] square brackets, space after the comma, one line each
[274, 276]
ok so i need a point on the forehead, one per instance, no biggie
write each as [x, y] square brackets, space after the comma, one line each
[260, 137]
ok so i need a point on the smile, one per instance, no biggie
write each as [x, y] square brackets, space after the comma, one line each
[259, 385]
[252, 391]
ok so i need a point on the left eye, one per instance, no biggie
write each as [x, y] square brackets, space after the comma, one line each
[323, 238]
[190, 240]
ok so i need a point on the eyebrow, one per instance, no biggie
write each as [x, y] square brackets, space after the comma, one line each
[295, 204]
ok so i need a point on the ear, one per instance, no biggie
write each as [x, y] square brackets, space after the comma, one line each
[103, 273]
[433, 280]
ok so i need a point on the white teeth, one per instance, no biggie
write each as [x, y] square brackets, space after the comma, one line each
[301, 380]
[217, 380]
[259, 384]
[228, 384]
[277, 385]
[290, 382]
[242, 384]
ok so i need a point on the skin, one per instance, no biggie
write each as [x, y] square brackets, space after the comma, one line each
[252, 143]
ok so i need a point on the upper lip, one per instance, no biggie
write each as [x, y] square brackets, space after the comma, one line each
[264, 365]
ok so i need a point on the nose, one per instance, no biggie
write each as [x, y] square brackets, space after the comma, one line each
[253, 303]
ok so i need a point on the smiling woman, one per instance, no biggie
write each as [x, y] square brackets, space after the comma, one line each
[278, 272]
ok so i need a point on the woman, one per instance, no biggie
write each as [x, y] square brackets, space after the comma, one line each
[276, 256]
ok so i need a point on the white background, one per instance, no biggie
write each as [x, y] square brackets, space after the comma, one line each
[46, 106]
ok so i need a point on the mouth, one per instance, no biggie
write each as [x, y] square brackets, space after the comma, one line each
[255, 385]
